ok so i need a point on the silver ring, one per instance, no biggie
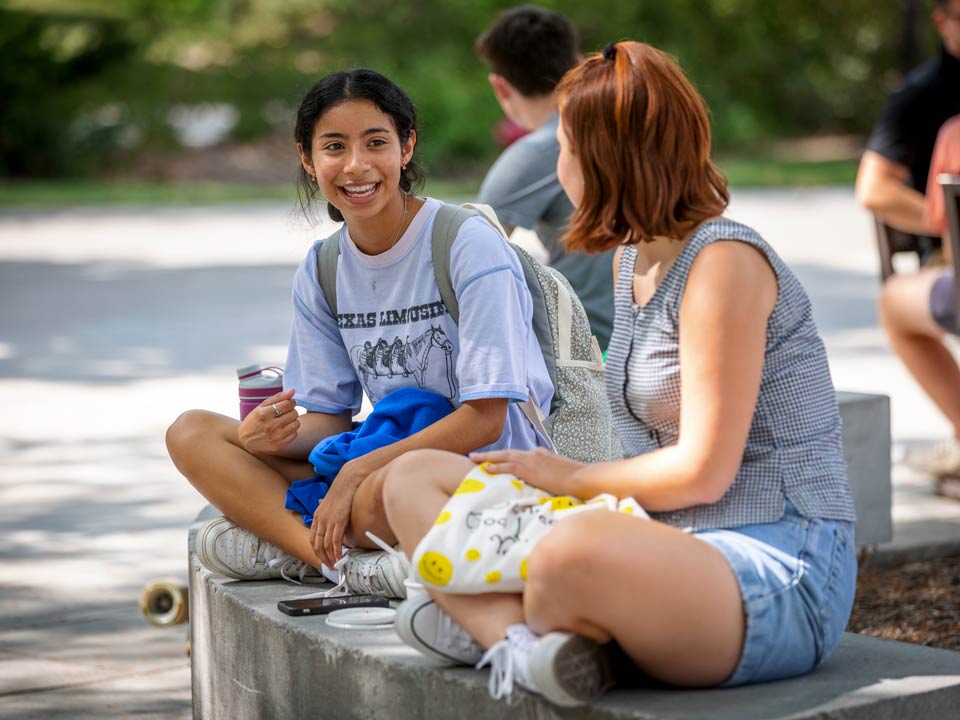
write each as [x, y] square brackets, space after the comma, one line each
[276, 410]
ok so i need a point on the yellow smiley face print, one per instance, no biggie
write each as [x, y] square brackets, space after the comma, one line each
[435, 568]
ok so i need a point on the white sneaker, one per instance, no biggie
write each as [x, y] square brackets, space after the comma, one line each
[422, 625]
[564, 668]
[228, 549]
[377, 572]
[941, 459]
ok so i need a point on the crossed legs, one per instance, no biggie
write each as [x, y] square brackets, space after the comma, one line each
[671, 601]
[250, 489]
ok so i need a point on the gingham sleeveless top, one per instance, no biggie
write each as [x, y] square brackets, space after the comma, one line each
[794, 447]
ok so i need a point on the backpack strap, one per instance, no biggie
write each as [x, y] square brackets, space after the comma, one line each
[446, 225]
[541, 318]
[328, 255]
[531, 409]
[564, 324]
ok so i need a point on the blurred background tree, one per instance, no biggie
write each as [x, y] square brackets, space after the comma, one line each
[95, 86]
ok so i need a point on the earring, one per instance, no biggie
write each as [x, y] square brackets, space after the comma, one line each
[313, 179]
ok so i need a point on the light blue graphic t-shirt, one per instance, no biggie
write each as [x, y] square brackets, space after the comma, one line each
[393, 330]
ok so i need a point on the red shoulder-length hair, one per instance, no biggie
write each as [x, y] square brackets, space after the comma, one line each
[640, 133]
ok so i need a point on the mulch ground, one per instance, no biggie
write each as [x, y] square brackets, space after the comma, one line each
[915, 602]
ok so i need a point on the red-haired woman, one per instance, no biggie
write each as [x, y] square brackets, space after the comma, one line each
[724, 403]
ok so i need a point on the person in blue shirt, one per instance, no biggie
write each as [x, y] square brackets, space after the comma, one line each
[356, 136]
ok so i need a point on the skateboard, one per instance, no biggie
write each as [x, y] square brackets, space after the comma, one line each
[164, 602]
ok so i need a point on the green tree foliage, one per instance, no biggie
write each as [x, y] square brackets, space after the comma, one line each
[45, 63]
[783, 68]
[96, 80]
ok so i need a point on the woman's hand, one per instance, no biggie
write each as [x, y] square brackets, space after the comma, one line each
[271, 426]
[332, 517]
[541, 468]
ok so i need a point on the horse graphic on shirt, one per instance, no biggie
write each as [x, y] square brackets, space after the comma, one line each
[403, 358]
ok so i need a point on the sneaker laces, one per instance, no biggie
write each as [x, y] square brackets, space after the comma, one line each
[370, 571]
[258, 553]
[508, 661]
[290, 564]
[402, 566]
[269, 555]
[374, 572]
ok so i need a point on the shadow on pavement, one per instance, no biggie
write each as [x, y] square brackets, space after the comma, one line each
[108, 322]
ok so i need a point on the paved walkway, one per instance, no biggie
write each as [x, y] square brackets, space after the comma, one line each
[112, 322]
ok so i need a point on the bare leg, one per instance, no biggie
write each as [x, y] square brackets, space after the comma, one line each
[671, 601]
[918, 341]
[417, 486]
[368, 514]
[677, 611]
[250, 490]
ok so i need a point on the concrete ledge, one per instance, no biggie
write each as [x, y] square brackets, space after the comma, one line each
[866, 449]
[250, 661]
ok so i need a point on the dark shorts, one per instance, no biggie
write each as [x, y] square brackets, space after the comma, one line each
[942, 303]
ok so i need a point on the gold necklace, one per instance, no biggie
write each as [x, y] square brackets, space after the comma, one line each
[403, 216]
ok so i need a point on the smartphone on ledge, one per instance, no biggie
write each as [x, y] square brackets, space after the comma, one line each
[322, 606]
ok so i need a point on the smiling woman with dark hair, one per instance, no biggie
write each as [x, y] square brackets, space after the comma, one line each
[388, 330]
[722, 397]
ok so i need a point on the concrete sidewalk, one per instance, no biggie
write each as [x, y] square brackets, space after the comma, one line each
[112, 322]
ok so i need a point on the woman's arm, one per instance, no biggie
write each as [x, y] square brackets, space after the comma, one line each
[730, 294]
[265, 432]
[314, 428]
[474, 424]
[883, 189]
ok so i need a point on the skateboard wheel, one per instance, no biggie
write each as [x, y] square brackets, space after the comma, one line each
[164, 602]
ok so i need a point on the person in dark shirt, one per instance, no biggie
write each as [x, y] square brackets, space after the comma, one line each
[916, 309]
[896, 163]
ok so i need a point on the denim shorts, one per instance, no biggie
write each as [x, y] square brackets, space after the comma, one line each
[797, 578]
[943, 302]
